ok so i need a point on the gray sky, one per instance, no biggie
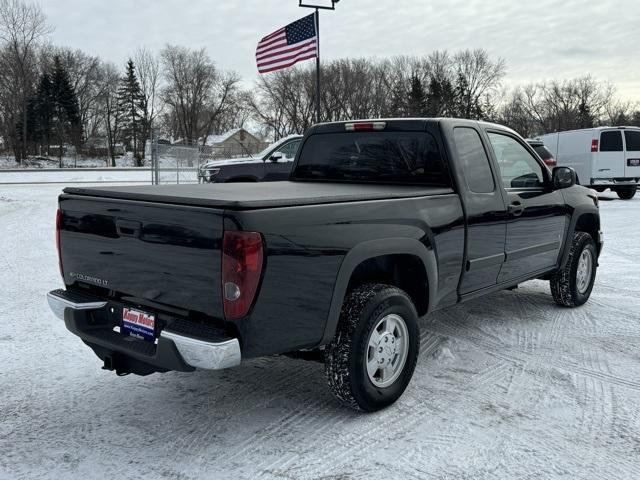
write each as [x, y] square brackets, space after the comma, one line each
[554, 39]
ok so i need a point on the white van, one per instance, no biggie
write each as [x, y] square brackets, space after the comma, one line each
[603, 157]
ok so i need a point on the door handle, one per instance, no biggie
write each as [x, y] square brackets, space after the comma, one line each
[516, 209]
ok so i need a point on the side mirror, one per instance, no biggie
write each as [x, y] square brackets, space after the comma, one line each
[564, 177]
[276, 157]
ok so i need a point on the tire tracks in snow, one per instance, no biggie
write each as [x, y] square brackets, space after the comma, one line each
[357, 438]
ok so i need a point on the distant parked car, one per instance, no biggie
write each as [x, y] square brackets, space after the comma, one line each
[271, 165]
[603, 157]
[543, 152]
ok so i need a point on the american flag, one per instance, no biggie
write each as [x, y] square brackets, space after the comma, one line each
[291, 44]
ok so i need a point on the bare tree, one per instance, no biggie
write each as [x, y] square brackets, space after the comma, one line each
[563, 105]
[196, 91]
[22, 26]
[516, 112]
[148, 67]
[619, 113]
[109, 82]
[477, 76]
[284, 102]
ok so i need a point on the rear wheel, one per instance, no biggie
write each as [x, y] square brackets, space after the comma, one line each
[627, 193]
[571, 285]
[371, 360]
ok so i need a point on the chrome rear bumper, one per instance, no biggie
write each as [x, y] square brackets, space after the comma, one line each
[59, 303]
[197, 346]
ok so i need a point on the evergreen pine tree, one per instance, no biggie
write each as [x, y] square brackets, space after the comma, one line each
[130, 104]
[65, 112]
[37, 116]
[42, 105]
[466, 105]
[440, 98]
[417, 102]
[398, 101]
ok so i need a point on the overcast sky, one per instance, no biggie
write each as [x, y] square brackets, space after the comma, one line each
[555, 39]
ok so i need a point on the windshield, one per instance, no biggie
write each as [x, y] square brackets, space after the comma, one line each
[391, 157]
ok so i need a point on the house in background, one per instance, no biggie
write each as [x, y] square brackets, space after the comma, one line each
[234, 143]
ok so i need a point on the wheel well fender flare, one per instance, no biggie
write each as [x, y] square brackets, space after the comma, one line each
[369, 250]
[578, 214]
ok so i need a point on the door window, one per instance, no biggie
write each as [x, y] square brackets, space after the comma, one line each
[611, 142]
[518, 168]
[475, 163]
[289, 150]
[633, 141]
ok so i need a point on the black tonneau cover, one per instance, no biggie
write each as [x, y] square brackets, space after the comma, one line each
[246, 196]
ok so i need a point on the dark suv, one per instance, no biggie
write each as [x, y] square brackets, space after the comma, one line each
[543, 152]
[271, 165]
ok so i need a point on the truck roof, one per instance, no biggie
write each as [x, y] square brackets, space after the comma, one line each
[401, 124]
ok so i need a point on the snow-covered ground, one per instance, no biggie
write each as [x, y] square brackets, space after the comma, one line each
[508, 386]
[9, 162]
[89, 175]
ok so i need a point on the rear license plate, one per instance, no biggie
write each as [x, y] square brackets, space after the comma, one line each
[138, 324]
[633, 162]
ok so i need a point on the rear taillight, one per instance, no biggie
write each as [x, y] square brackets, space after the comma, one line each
[242, 259]
[550, 162]
[595, 146]
[58, 225]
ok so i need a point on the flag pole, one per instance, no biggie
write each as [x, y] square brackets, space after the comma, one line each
[318, 8]
[318, 114]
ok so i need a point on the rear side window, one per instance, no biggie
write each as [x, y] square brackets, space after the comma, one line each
[611, 142]
[633, 141]
[377, 157]
[474, 160]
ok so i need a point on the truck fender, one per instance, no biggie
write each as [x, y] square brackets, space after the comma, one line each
[579, 212]
[371, 249]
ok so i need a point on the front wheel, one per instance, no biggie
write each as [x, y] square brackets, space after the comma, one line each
[627, 193]
[572, 284]
[371, 359]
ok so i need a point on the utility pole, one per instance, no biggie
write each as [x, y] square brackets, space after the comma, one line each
[318, 79]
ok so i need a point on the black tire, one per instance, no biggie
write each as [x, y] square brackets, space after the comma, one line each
[345, 356]
[627, 193]
[565, 284]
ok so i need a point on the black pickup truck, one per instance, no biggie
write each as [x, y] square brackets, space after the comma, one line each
[381, 222]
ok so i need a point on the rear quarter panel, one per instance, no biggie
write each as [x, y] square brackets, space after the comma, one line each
[305, 247]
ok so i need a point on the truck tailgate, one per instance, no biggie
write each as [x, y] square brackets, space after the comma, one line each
[167, 254]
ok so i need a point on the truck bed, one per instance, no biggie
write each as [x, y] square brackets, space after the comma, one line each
[249, 196]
